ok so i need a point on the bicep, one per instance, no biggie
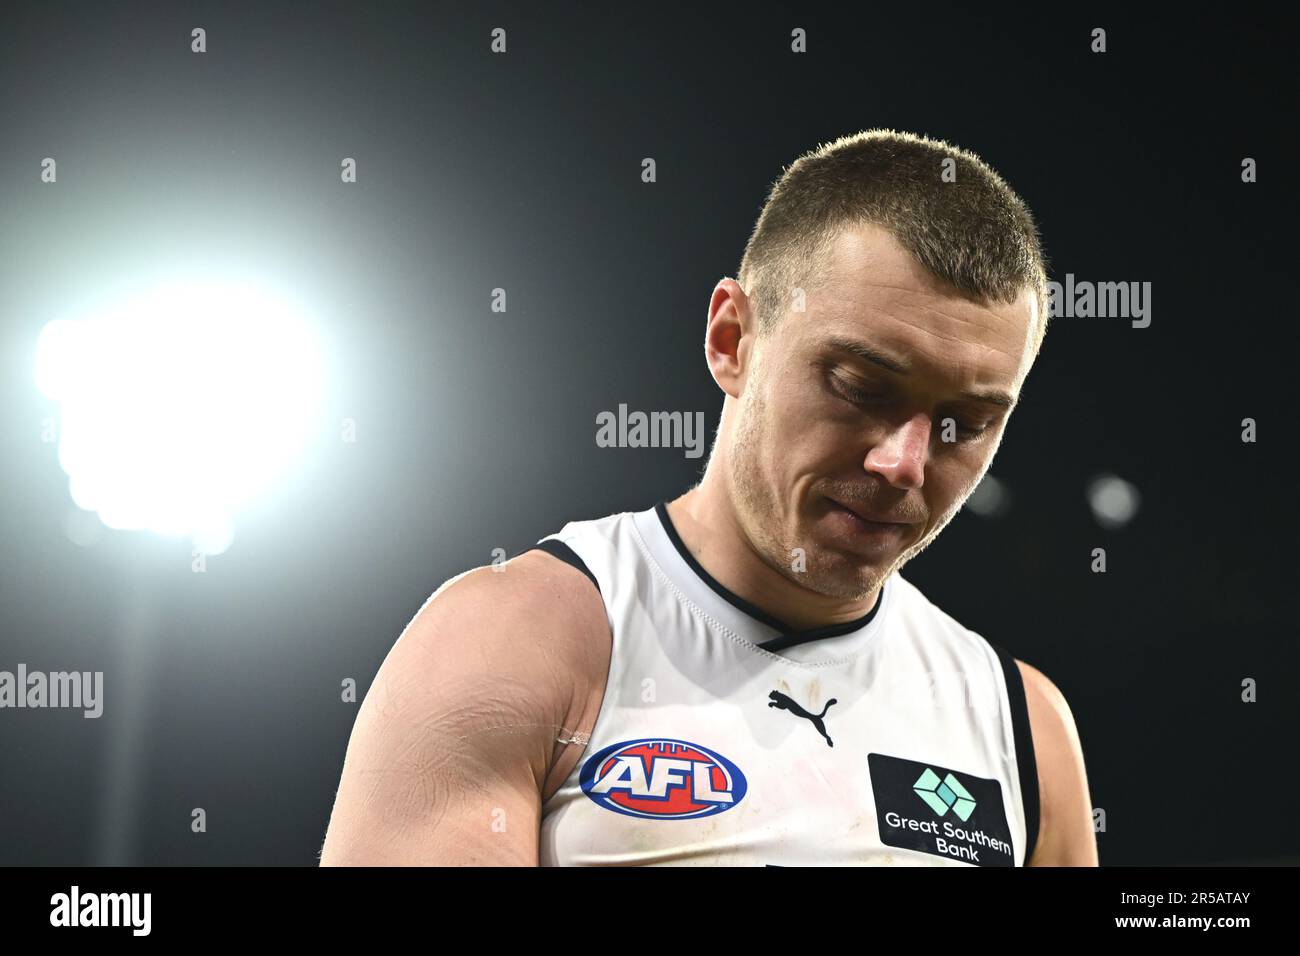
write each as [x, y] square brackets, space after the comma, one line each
[450, 745]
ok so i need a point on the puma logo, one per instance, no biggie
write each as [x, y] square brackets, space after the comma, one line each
[782, 702]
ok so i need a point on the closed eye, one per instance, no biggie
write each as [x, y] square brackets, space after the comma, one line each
[858, 396]
[967, 429]
[972, 431]
[852, 393]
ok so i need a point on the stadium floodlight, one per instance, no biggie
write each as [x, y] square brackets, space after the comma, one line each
[180, 406]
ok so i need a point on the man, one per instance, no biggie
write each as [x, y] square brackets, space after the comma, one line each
[742, 676]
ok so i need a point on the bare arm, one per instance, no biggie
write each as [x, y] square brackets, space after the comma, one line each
[456, 739]
[1065, 833]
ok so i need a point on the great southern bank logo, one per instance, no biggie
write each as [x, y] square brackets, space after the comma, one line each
[977, 830]
[944, 795]
[662, 778]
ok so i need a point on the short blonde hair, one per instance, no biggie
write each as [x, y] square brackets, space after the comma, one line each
[973, 232]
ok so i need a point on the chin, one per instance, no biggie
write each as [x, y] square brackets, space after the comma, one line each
[846, 576]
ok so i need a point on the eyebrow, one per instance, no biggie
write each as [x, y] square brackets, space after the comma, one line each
[874, 355]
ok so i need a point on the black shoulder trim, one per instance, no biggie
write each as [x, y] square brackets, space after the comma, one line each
[1024, 746]
[559, 549]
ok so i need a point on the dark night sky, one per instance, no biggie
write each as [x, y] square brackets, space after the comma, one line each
[476, 429]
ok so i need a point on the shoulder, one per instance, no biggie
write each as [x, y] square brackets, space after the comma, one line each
[529, 636]
[523, 644]
[915, 611]
[1040, 690]
[1047, 706]
[1065, 831]
[534, 595]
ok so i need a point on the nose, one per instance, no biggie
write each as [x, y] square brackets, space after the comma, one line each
[900, 456]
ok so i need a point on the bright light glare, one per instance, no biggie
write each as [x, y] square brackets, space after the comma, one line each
[181, 406]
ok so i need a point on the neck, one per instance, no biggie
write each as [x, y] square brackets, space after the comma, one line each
[706, 521]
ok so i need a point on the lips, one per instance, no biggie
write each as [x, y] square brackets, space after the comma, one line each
[866, 515]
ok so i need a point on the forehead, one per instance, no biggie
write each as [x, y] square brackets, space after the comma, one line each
[875, 292]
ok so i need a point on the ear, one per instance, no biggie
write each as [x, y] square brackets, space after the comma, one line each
[730, 335]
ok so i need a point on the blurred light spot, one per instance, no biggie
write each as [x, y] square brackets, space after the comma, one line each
[990, 499]
[179, 407]
[1113, 500]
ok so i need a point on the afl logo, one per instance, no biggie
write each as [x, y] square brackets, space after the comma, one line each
[662, 778]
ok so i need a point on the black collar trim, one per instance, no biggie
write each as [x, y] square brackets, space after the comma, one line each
[787, 636]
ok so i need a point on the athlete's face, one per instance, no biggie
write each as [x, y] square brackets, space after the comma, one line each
[845, 408]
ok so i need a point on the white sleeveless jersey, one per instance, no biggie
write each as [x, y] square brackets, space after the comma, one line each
[726, 738]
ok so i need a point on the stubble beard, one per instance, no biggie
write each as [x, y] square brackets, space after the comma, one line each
[760, 514]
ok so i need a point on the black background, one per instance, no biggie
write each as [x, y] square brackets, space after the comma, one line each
[476, 430]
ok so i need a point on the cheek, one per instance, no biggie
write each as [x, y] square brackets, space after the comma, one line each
[950, 482]
[823, 426]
